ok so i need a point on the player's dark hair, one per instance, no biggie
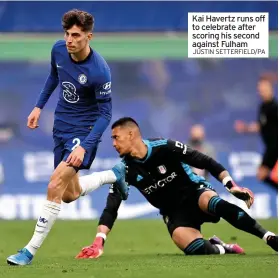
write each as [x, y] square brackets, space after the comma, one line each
[80, 18]
[124, 121]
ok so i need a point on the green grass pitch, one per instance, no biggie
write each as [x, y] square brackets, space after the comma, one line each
[135, 248]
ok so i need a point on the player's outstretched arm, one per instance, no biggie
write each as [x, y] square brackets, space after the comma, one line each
[106, 222]
[93, 138]
[195, 158]
[103, 97]
[100, 126]
[241, 193]
[50, 84]
[199, 160]
[33, 118]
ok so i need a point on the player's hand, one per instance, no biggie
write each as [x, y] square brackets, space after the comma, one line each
[33, 118]
[241, 193]
[240, 126]
[76, 157]
[93, 251]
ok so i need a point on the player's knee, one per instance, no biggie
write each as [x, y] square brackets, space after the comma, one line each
[69, 197]
[205, 198]
[55, 184]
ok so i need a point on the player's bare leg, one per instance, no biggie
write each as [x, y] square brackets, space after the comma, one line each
[191, 242]
[59, 181]
[183, 236]
[211, 203]
[73, 190]
[64, 184]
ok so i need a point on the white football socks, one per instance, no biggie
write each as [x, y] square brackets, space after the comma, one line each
[51, 210]
[44, 224]
[266, 235]
[102, 235]
[93, 181]
[221, 249]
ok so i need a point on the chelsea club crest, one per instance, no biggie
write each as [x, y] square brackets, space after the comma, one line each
[82, 79]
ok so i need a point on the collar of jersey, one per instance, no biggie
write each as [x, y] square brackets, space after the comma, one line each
[83, 61]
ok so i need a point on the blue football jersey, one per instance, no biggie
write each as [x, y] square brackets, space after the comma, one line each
[84, 92]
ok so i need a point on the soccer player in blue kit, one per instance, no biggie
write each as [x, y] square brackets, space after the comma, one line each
[82, 114]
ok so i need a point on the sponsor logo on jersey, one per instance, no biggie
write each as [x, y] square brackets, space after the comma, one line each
[107, 86]
[105, 93]
[82, 79]
[159, 184]
[162, 169]
[105, 89]
[69, 92]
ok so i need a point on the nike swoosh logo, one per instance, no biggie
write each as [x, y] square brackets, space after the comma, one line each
[40, 226]
[127, 211]
[58, 66]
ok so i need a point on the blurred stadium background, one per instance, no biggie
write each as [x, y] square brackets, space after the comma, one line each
[145, 44]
